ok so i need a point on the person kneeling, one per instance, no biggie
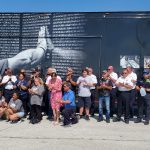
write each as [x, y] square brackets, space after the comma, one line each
[14, 109]
[68, 100]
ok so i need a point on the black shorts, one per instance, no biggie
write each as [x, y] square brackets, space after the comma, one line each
[84, 102]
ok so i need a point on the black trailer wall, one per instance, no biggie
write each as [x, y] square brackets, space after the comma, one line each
[79, 39]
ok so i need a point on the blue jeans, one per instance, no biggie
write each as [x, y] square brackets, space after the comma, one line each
[106, 99]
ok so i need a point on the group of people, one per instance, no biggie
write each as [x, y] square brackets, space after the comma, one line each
[116, 94]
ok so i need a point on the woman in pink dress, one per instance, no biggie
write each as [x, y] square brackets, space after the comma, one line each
[55, 86]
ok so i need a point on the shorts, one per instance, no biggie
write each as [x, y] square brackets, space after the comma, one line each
[84, 102]
[20, 114]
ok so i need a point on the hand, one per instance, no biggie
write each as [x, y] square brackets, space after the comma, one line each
[59, 101]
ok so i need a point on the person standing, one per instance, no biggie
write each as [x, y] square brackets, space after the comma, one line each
[55, 87]
[93, 91]
[125, 86]
[70, 78]
[84, 82]
[133, 77]
[113, 78]
[104, 88]
[36, 97]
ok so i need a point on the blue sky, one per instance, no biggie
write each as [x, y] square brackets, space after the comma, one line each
[73, 5]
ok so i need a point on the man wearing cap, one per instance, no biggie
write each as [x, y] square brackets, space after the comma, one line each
[104, 87]
[70, 78]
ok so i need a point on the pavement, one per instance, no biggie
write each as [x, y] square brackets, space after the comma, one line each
[86, 135]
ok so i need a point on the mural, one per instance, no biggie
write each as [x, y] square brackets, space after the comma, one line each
[76, 40]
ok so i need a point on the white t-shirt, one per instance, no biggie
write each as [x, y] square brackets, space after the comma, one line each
[123, 80]
[84, 90]
[114, 76]
[9, 85]
[133, 76]
[94, 80]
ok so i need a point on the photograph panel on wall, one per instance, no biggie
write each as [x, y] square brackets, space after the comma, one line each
[146, 61]
[130, 60]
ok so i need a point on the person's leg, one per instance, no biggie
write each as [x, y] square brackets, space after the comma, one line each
[38, 112]
[81, 105]
[2, 110]
[119, 106]
[87, 106]
[54, 114]
[132, 101]
[57, 116]
[113, 98]
[147, 115]
[93, 95]
[67, 115]
[24, 99]
[107, 103]
[8, 113]
[140, 105]
[100, 109]
[33, 112]
[126, 103]
[16, 116]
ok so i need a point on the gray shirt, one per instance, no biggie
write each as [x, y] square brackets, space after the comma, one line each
[16, 104]
[36, 99]
[84, 89]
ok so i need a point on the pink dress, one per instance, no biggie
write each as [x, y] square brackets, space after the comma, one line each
[56, 93]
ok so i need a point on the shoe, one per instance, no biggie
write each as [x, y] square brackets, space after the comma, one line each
[146, 122]
[116, 119]
[107, 120]
[66, 126]
[92, 114]
[99, 119]
[137, 120]
[80, 116]
[126, 121]
[87, 118]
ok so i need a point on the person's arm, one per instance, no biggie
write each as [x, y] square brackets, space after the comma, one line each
[73, 82]
[39, 91]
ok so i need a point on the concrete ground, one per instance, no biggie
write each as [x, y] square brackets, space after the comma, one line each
[86, 135]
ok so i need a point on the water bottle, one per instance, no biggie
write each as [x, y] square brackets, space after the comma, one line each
[142, 91]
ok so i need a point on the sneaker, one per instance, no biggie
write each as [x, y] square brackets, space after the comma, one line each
[116, 119]
[126, 121]
[107, 120]
[99, 119]
[146, 122]
[66, 126]
[137, 120]
[81, 116]
[87, 118]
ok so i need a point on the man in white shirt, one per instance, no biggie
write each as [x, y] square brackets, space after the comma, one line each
[113, 78]
[133, 78]
[8, 82]
[125, 86]
[93, 91]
